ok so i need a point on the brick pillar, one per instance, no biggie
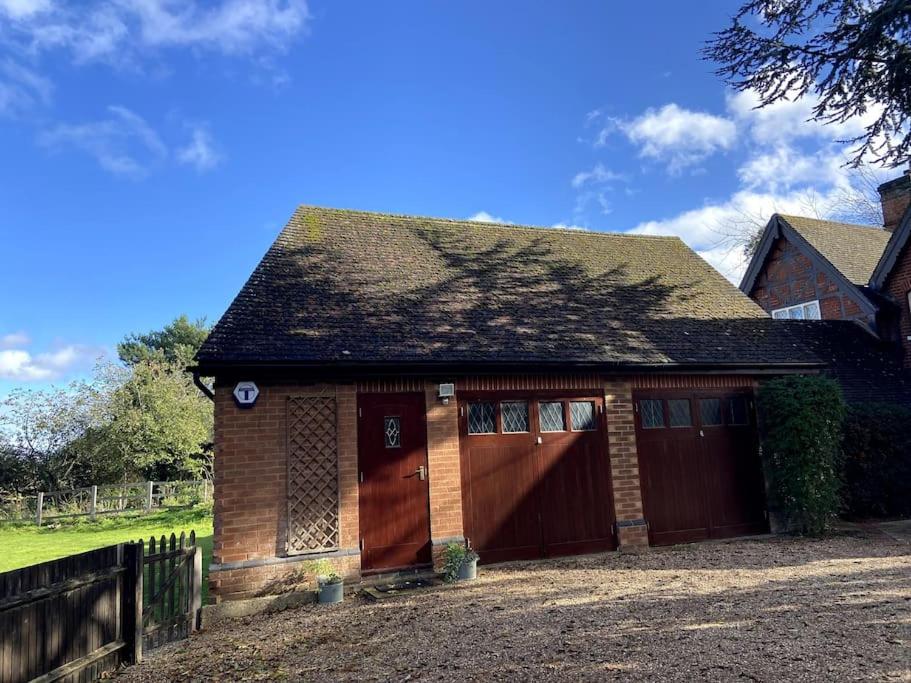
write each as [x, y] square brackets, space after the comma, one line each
[621, 439]
[349, 525]
[444, 471]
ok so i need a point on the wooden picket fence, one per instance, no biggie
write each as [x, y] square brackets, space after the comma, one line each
[75, 618]
[173, 590]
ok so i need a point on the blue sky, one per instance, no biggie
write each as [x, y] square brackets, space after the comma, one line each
[152, 149]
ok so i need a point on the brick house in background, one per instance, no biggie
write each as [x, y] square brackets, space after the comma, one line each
[385, 385]
[822, 270]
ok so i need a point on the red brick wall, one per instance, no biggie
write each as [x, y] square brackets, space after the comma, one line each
[789, 278]
[251, 471]
[897, 285]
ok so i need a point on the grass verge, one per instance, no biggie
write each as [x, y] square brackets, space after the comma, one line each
[23, 545]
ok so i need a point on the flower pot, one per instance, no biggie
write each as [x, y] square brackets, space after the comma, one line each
[468, 570]
[331, 592]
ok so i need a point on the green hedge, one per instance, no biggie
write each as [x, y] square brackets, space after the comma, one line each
[801, 420]
[877, 449]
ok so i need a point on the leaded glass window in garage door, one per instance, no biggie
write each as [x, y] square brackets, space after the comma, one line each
[482, 418]
[515, 416]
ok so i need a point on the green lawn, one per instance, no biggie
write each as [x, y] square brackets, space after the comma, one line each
[23, 545]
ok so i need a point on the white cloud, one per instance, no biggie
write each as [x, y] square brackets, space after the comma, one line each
[20, 365]
[23, 9]
[676, 136]
[484, 217]
[200, 152]
[784, 164]
[234, 26]
[784, 167]
[788, 120]
[14, 340]
[21, 88]
[711, 228]
[118, 31]
[123, 144]
[568, 226]
[598, 175]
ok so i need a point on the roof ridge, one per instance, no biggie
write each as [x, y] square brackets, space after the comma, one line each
[486, 224]
[863, 226]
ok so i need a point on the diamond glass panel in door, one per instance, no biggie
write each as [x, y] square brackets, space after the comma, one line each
[651, 413]
[551, 414]
[679, 412]
[392, 432]
[515, 416]
[582, 416]
[710, 412]
[481, 418]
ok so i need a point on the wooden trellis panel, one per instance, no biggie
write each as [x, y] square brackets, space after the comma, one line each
[313, 500]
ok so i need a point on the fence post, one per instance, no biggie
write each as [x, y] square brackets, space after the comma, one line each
[149, 486]
[94, 503]
[132, 601]
[38, 510]
[197, 588]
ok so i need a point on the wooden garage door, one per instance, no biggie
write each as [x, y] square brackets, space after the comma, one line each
[535, 475]
[699, 466]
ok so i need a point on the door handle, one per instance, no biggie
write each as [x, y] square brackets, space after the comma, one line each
[421, 472]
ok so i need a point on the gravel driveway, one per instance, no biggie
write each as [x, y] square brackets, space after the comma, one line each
[769, 609]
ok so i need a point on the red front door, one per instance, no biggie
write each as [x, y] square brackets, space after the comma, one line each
[394, 494]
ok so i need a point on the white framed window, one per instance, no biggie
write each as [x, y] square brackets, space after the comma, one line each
[807, 311]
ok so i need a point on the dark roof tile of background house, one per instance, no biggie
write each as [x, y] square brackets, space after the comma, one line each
[853, 249]
[342, 286]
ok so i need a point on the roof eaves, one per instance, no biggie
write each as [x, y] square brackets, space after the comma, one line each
[421, 367]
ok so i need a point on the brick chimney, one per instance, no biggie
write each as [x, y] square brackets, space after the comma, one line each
[895, 196]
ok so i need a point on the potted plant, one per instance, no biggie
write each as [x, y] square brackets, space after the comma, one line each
[331, 588]
[460, 563]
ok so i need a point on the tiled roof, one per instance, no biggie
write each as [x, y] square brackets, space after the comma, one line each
[853, 249]
[342, 286]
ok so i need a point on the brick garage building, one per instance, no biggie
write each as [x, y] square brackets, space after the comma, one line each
[533, 392]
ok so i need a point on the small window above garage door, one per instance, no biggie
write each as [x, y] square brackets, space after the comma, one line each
[678, 413]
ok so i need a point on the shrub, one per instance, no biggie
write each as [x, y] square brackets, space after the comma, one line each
[877, 448]
[801, 419]
[455, 555]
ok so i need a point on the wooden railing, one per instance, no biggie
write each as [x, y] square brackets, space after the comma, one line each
[80, 616]
[107, 499]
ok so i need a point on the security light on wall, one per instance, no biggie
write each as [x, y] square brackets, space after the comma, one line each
[446, 392]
